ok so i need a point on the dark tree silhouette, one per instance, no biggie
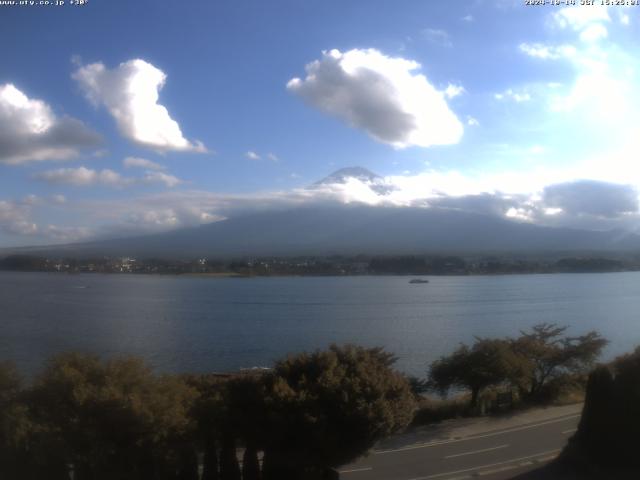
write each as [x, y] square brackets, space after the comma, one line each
[485, 363]
[545, 353]
[329, 407]
[607, 437]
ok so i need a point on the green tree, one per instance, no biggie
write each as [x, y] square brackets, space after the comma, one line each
[544, 353]
[15, 426]
[329, 407]
[485, 363]
[114, 419]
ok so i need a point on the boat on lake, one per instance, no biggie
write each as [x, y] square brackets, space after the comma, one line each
[418, 280]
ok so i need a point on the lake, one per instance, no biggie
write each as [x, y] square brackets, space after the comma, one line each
[182, 323]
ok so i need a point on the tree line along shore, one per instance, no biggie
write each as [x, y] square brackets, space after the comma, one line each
[328, 265]
[311, 413]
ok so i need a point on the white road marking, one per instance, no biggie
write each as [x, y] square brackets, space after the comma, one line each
[353, 470]
[472, 469]
[466, 439]
[571, 430]
[476, 451]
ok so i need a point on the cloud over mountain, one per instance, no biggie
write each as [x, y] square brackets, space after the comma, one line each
[130, 92]
[31, 132]
[380, 94]
[14, 218]
[549, 201]
[592, 197]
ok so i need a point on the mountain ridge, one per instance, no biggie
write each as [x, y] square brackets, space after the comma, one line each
[353, 229]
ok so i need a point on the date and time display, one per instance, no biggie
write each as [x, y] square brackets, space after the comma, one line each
[583, 3]
[557, 3]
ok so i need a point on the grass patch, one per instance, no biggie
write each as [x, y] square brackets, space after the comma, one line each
[433, 410]
[565, 390]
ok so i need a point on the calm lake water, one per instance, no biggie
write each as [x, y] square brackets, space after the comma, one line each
[218, 324]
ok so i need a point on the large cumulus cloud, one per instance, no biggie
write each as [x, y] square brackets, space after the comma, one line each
[380, 94]
[30, 131]
[130, 92]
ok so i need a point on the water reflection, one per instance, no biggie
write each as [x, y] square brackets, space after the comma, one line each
[201, 324]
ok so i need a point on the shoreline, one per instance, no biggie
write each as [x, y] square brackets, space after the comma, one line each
[311, 275]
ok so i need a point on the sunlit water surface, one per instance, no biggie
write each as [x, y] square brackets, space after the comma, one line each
[181, 323]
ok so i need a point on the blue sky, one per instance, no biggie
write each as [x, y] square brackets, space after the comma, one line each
[120, 117]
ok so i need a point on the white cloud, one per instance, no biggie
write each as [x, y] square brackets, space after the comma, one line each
[472, 122]
[161, 177]
[552, 211]
[625, 19]
[547, 52]
[453, 91]
[15, 218]
[468, 18]
[22, 228]
[83, 177]
[580, 17]
[30, 131]
[59, 199]
[66, 234]
[438, 36]
[381, 95]
[136, 162]
[604, 89]
[130, 92]
[510, 94]
[158, 212]
[592, 194]
[252, 155]
[520, 195]
[593, 33]
[589, 21]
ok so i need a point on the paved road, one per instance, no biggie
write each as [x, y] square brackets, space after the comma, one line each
[495, 455]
